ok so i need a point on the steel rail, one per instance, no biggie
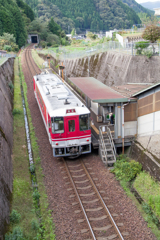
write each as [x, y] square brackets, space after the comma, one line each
[103, 203]
[29, 59]
[80, 201]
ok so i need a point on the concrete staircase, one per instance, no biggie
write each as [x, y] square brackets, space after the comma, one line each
[106, 146]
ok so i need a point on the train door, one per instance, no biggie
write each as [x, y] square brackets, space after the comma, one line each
[72, 127]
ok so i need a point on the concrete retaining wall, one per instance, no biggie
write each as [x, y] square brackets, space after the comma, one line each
[113, 68]
[6, 141]
[149, 162]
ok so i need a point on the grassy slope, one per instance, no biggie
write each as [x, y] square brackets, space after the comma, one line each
[22, 191]
[46, 220]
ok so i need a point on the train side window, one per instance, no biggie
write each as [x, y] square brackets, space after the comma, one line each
[84, 122]
[58, 125]
[71, 125]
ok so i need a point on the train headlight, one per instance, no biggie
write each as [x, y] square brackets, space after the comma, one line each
[87, 140]
[57, 143]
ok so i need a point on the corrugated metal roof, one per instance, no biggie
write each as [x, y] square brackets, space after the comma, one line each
[130, 89]
[97, 91]
[146, 89]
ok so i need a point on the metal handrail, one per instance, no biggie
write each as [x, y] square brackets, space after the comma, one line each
[107, 130]
[112, 143]
[102, 142]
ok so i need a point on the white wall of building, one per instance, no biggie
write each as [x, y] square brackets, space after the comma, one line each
[94, 107]
[120, 39]
[130, 128]
[149, 124]
[157, 11]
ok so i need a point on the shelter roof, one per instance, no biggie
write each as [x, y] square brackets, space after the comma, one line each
[131, 89]
[147, 89]
[97, 91]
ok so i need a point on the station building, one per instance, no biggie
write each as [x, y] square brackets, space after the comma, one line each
[136, 108]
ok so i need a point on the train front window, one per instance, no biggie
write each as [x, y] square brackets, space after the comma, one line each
[84, 122]
[58, 125]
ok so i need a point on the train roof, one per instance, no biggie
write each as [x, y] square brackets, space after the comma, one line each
[57, 97]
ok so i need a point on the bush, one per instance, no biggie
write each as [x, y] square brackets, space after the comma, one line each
[36, 195]
[7, 48]
[126, 169]
[35, 224]
[147, 53]
[140, 46]
[16, 111]
[53, 39]
[17, 234]
[11, 85]
[15, 217]
[43, 44]
[49, 44]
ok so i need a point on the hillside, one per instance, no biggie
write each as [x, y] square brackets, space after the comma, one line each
[14, 16]
[138, 7]
[151, 5]
[86, 14]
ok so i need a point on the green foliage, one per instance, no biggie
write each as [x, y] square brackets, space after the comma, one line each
[86, 14]
[35, 224]
[91, 35]
[26, 9]
[7, 48]
[147, 53]
[36, 195]
[149, 190]
[149, 212]
[11, 85]
[16, 111]
[32, 168]
[140, 46]
[73, 32]
[17, 234]
[11, 21]
[151, 33]
[15, 217]
[8, 42]
[138, 8]
[54, 27]
[126, 169]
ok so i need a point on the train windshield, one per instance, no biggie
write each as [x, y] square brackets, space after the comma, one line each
[57, 125]
[84, 122]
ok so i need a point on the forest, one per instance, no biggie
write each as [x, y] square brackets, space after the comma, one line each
[138, 7]
[53, 19]
[13, 19]
[95, 15]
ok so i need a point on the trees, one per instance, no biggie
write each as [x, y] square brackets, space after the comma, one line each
[54, 27]
[11, 21]
[151, 33]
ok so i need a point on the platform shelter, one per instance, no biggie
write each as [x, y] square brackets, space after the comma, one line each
[103, 101]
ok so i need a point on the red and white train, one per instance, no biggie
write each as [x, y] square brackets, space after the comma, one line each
[66, 118]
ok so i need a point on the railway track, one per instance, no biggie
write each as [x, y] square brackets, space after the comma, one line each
[97, 217]
[94, 222]
[99, 220]
[33, 69]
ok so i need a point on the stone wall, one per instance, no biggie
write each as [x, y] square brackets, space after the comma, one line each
[113, 68]
[150, 163]
[6, 141]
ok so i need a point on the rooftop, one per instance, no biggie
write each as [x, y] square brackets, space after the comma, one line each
[97, 91]
[131, 89]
